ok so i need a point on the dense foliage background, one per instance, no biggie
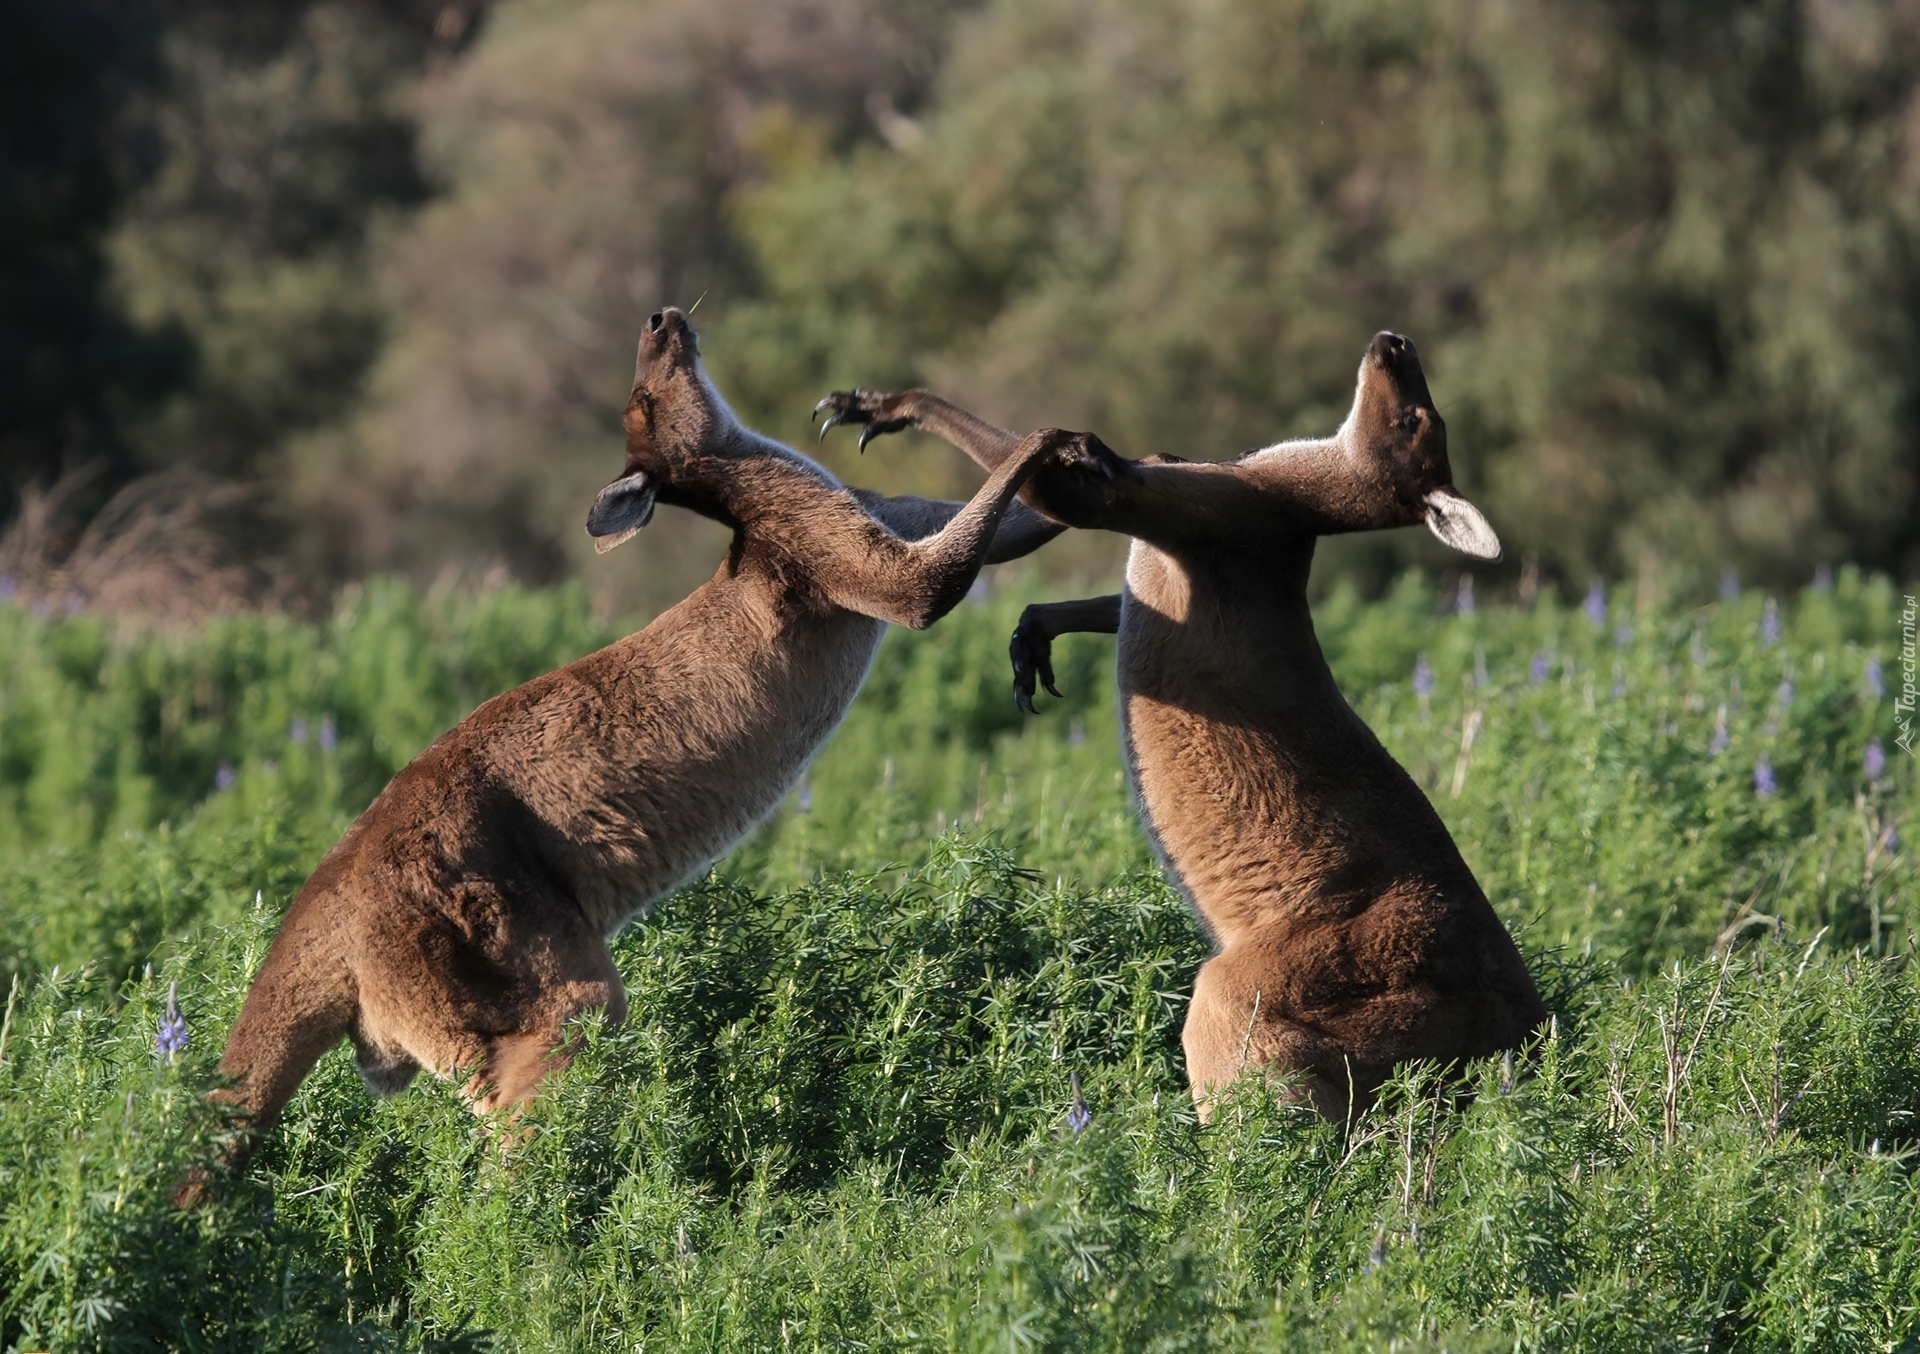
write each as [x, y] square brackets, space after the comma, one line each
[383, 260]
[837, 1114]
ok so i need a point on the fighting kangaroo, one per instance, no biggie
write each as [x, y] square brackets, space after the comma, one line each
[1349, 934]
[462, 920]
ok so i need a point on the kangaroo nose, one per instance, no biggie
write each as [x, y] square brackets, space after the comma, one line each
[1390, 348]
[655, 320]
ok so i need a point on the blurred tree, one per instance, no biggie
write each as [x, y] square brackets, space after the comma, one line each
[1662, 259]
[590, 152]
[68, 359]
[188, 193]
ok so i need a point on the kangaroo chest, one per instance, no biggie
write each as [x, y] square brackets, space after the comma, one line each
[1261, 790]
[653, 757]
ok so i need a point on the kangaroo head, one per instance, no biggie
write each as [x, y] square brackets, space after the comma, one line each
[685, 447]
[1396, 440]
[674, 420]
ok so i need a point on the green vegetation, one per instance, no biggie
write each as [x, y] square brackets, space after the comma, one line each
[837, 1115]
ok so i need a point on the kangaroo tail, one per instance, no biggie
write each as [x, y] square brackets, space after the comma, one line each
[300, 1006]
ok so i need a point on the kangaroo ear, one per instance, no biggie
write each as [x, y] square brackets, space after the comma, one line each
[1460, 525]
[622, 508]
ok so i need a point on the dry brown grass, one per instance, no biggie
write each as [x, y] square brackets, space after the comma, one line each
[171, 548]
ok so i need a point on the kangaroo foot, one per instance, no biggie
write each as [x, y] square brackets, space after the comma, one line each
[880, 413]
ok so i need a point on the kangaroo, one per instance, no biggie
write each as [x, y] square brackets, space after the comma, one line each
[1349, 934]
[462, 920]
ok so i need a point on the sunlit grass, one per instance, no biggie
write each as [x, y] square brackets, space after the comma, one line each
[837, 1115]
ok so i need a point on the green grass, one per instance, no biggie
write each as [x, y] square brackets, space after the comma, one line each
[836, 1116]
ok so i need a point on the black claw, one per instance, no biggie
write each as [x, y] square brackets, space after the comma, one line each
[826, 403]
[867, 435]
[1047, 682]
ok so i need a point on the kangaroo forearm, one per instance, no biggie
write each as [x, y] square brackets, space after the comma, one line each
[1090, 616]
[987, 445]
[949, 562]
[1022, 531]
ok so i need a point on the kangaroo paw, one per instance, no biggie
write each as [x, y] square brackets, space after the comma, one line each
[1032, 654]
[879, 413]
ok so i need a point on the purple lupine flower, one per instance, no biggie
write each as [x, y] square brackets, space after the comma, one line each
[1542, 665]
[1770, 624]
[1892, 839]
[1785, 694]
[1378, 1255]
[297, 731]
[1463, 596]
[1720, 735]
[1876, 760]
[1875, 685]
[329, 734]
[1823, 578]
[1763, 784]
[223, 778]
[1597, 602]
[1078, 1115]
[7, 588]
[170, 1039]
[1422, 676]
[1729, 584]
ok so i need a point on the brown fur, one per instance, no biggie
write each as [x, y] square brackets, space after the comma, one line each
[1350, 934]
[462, 920]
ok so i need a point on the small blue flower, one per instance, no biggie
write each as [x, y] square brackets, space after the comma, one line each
[1720, 735]
[223, 778]
[1729, 584]
[1763, 783]
[1875, 685]
[171, 1038]
[1422, 676]
[1770, 624]
[1876, 760]
[297, 731]
[1463, 596]
[329, 734]
[1542, 665]
[1078, 1115]
[1597, 603]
